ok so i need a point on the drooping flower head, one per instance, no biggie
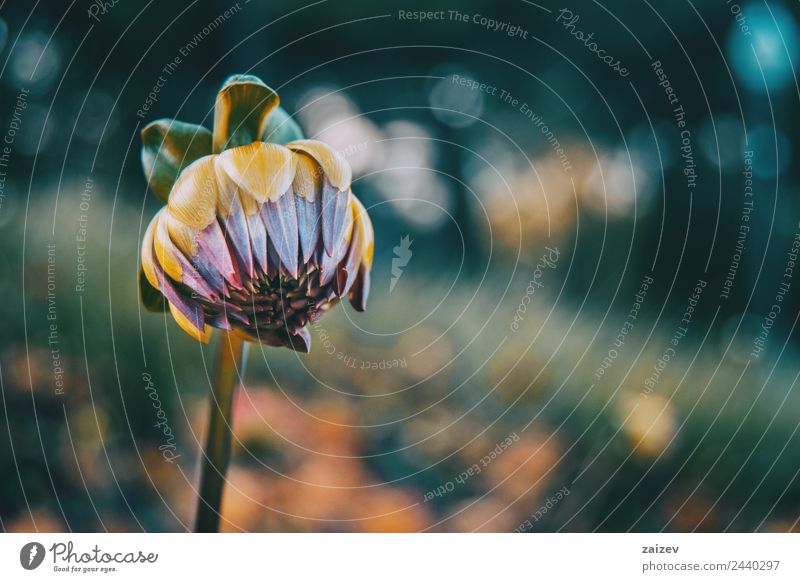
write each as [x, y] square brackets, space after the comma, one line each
[261, 233]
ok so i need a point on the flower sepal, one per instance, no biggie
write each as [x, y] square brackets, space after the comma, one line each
[241, 111]
[281, 128]
[168, 146]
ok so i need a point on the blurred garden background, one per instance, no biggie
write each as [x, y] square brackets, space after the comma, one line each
[545, 223]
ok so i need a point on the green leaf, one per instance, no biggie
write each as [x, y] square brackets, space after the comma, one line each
[241, 111]
[152, 299]
[168, 147]
[281, 128]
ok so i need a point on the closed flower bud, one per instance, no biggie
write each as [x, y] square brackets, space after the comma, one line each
[256, 237]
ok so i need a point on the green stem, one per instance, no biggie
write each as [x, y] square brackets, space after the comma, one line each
[218, 442]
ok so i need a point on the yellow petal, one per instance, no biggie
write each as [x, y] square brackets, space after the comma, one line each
[165, 250]
[351, 225]
[261, 170]
[336, 167]
[307, 177]
[367, 234]
[189, 327]
[193, 199]
[147, 252]
[182, 236]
